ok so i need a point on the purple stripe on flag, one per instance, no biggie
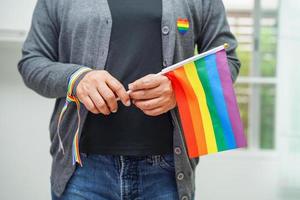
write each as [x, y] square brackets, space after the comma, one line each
[229, 94]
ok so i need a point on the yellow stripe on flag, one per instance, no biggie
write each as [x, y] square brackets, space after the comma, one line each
[183, 25]
[192, 75]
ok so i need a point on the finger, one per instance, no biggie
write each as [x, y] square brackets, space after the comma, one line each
[119, 89]
[99, 102]
[108, 96]
[146, 82]
[90, 106]
[155, 112]
[146, 94]
[150, 104]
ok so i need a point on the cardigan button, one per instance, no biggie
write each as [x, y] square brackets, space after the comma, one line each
[184, 198]
[180, 176]
[177, 150]
[165, 30]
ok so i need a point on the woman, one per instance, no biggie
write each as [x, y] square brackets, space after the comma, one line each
[93, 51]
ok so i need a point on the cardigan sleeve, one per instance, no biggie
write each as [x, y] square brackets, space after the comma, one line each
[214, 31]
[39, 66]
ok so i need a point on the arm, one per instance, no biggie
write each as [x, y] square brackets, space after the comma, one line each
[39, 66]
[214, 31]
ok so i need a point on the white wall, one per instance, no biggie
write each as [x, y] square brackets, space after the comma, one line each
[238, 175]
[288, 107]
[16, 14]
[24, 137]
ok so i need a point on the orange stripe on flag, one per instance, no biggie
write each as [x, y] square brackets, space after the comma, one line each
[194, 111]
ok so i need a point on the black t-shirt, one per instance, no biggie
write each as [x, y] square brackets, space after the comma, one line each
[135, 51]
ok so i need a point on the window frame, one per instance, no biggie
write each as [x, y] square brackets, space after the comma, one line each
[254, 79]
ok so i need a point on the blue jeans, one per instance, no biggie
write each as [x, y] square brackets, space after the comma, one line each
[114, 177]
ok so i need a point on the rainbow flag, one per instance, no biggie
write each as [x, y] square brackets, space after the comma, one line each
[207, 103]
[183, 25]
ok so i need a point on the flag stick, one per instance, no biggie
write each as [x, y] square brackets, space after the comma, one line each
[191, 59]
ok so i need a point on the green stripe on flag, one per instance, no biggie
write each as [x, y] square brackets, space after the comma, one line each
[203, 76]
[182, 28]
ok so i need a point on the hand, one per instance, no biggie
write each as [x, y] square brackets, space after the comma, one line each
[153, 94]
[97, 91]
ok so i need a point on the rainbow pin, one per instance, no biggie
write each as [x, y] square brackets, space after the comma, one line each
[183, 25]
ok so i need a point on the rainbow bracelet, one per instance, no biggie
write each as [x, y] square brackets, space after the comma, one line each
[69, 99]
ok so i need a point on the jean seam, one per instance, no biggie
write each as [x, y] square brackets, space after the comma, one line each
[121, 174]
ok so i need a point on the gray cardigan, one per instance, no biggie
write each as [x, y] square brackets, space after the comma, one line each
[66, 35]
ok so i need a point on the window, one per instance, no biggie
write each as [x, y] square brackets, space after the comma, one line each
[255, 25]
